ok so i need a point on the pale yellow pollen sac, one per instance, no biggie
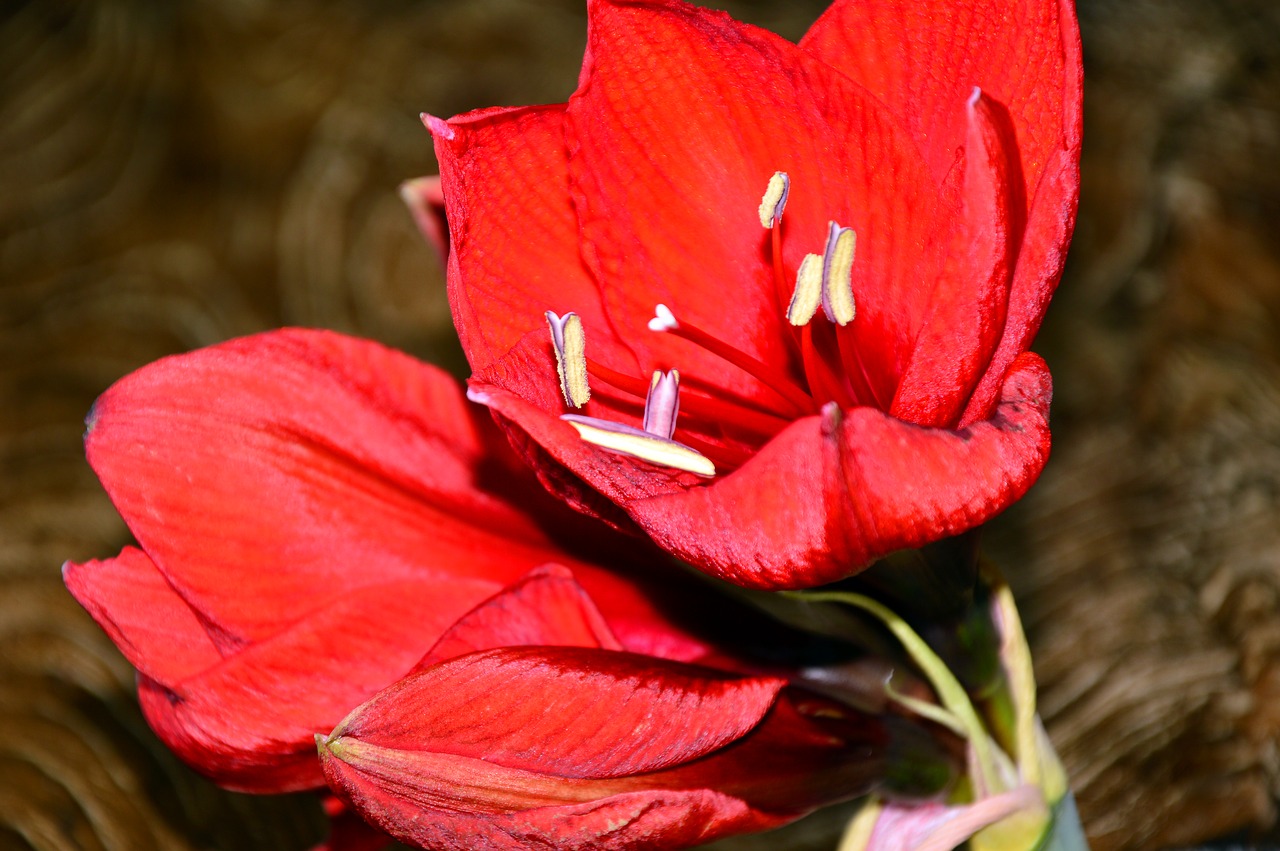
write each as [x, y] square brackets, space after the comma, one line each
[808, 293]
[626, 440]
[775, 199]
[837, 275]
[570, 344]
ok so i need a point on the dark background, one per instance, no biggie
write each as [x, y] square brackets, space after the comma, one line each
[173, 174]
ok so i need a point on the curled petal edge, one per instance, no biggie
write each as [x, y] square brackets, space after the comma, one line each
[825, 497]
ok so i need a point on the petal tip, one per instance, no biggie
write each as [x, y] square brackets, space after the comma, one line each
[480, 397]
[437, 126]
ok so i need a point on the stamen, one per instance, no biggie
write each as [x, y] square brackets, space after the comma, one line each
[662, 405]
[779, 384]
[837, 274]
[627, 440]
[704, 407]
[570, 343]
[775, 199]
[808, 293]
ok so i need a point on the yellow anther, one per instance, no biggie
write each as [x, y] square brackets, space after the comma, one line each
[808, 292]
[570, 344]
[837, 275]
[624, 440]
[775, 199]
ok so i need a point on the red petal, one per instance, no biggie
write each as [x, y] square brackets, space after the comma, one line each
[433, 801]
[271, 475]
[970, 297]
[515, 236]
[153, 627]
[822, 500]
[818, 502]
[1044, 251]
[682, 117]
[570, 711]
[437, 781]
[250, 721]
[922, 58]
[546, 607]
[425, 200]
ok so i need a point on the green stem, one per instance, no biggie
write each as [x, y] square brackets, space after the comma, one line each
[950, 692]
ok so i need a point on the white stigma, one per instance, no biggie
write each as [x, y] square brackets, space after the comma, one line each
[663, 319]
[570, 344]
[775, 199]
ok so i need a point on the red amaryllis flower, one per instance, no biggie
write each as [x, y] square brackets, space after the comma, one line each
[313, 512]
[529, 726]
[842, 249]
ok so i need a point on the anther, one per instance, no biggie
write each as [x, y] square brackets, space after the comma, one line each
[837, 274]
[808, 292]
[662, 405]
[627, 440]
[775, 199]
[570, 343]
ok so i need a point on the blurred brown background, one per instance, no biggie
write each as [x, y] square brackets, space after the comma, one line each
[178, 173]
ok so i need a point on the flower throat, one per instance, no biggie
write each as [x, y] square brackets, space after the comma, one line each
[822, 281]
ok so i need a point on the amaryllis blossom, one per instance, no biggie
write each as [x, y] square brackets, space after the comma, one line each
[771, 303]
[313, 512]
[529, 726]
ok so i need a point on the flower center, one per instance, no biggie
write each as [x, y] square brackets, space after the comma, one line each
[833, 369]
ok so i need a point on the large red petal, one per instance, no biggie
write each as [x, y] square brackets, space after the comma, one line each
[546, 607]
[568, 711]
[515, 245]
[970, 297]
[922, 58]
[682, 116]
[272, 475]
[823, 498]
[435, 801]
[570, 789]
[154, 628]
[250, 721]
[1044, 252]
[827, 496]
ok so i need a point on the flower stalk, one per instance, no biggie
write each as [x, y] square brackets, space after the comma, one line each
[1016, 796]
